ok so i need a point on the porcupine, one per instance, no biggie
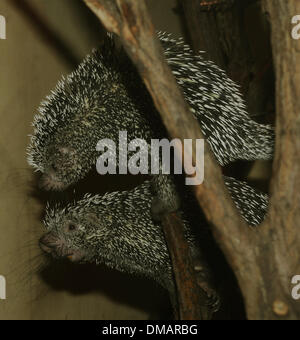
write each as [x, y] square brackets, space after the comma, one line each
[105, 95]
[117, 229]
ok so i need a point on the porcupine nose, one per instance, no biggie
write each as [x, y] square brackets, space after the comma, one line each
[49, 182]
[47, 243]
[43, 183]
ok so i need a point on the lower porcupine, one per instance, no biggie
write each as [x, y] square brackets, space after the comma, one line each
[105, 95]
[117, 229]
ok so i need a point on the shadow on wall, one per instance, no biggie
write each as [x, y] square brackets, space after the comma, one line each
[128, 290]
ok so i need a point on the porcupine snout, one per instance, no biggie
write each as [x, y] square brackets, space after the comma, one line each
[49, 181]
[51, 244]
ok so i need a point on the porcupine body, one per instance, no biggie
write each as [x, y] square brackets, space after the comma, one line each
[117, 229]
[105, 95]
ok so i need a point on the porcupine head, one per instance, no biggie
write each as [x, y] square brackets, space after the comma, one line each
[115, 229]
[90, 104]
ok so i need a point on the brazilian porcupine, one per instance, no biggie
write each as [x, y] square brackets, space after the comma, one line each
[105, 95]
[117, 229]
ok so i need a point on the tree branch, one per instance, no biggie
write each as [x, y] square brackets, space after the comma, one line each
[193, 302]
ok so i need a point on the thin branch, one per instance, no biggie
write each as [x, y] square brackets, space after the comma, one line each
[193, 301]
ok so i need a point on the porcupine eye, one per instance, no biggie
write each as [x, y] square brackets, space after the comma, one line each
[54, 167]
[71, 227]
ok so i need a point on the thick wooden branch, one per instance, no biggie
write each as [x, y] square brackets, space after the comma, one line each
[276, 251]
[283, 225]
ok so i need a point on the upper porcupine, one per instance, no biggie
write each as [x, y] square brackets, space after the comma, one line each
[117, 229]
[106, 95]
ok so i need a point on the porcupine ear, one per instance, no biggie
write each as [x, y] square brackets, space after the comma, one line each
[66, 150]
[97, 221]
[112, 50]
